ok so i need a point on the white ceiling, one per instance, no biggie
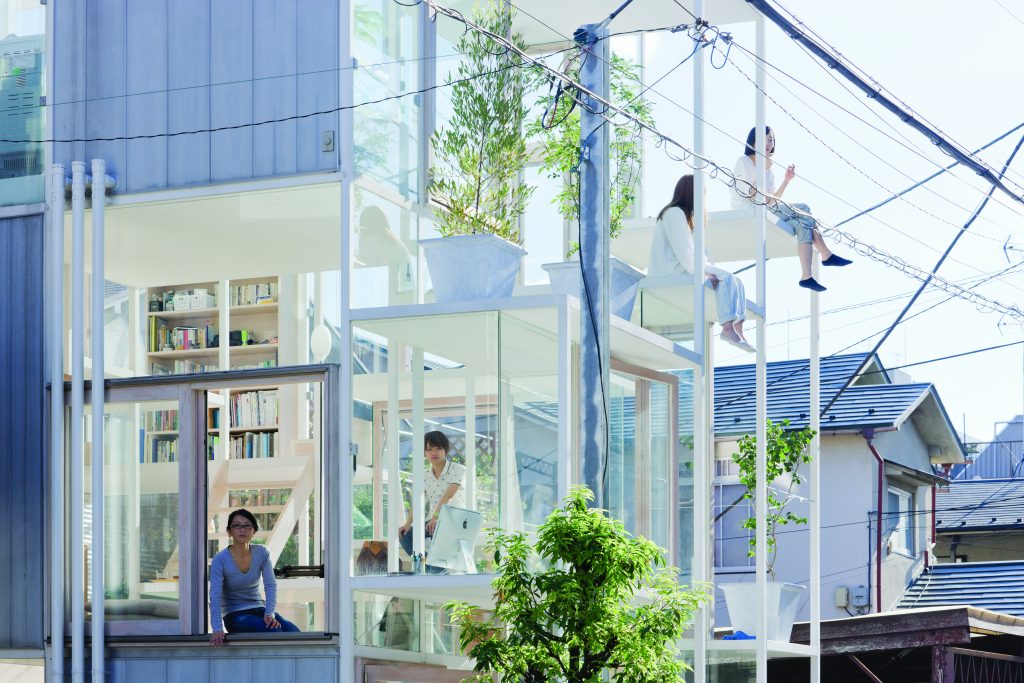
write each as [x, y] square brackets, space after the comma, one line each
[228, 236]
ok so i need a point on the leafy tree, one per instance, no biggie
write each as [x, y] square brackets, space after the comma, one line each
[560, 143]
[587, 599]
[482, 150]
[787, 450]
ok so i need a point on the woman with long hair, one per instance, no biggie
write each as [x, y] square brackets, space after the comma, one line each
[672, 254]
[796, 216]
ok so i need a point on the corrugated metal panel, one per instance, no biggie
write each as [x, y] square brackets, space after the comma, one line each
[21, 433]
[980, 504]
[1000, 458]
[191, 65]
[995, 586]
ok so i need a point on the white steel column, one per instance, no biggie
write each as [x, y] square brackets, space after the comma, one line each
[345, 146]
[418, 470]
[761, 491]
[703, 440]
[565, 406]
[470, 448]
[395, 502]
[77, 503]
[99, 200]
[56, 373]
[814, 585]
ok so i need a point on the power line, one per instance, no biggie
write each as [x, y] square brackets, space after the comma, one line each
[924, 284]
[1009, 11]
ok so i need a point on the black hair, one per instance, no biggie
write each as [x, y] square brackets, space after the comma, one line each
[682, 198]
[242, 512]
[749, 149]
[438, 440]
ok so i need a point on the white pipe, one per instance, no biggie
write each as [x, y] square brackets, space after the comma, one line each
[815, 489]
[99, 199]
[761, 373]
[77, 409]
[703, 425]
[395, 502]
[418, 470]
[56, 372]
[470, 452]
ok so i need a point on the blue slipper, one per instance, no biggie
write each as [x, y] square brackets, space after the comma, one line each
[812, 284]
[836, 260]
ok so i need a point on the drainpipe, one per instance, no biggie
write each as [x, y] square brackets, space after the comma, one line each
[99, 200]
[869, 435]
[77, 473]
[928, 553]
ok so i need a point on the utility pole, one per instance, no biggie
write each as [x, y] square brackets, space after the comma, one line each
[595, 338]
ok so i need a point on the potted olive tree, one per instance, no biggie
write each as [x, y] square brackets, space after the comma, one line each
[479, 156]
[559, 132]
[787, 451]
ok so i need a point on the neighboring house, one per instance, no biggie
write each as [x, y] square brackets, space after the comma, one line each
[980, 520]
[993, 586]
[880, 444]
[1000, 458]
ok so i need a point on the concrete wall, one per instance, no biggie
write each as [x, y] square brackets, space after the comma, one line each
[22, 434]
[173, 66]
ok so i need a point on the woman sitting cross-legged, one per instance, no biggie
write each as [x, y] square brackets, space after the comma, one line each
[672, 254]
[235, 584]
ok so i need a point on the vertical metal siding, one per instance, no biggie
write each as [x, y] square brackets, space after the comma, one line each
[184, 65]
[22, 433]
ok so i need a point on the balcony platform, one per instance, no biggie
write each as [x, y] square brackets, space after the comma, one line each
[732, 236]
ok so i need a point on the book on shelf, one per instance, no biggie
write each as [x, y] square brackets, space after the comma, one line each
[182, 367]
[162, 448]
[254, 408]
[161, 420]
[163, 337]
[251, 445]
[256, 293]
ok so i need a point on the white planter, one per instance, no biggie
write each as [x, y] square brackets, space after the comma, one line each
[782, 604]
[565, 278]
[472, 267]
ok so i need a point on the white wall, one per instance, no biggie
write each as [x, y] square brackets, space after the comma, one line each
[849, 478]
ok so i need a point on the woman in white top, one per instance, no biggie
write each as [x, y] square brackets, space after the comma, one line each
[796, 216]
[672, 254]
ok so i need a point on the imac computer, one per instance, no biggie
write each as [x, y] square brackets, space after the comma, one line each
[454, 539]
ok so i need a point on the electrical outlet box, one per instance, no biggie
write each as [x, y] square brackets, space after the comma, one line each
[859, 596]
[842, 596]
[327, 141]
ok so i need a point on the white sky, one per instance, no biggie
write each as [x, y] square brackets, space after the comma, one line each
[960, 66]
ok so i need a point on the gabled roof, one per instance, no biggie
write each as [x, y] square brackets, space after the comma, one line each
[870, 403]
[980, 504]
[995, 586]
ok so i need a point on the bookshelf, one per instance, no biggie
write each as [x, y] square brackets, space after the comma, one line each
[160, 436]
[182, 330]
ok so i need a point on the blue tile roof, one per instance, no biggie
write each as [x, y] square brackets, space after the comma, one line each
[980, 504]
[995, 586]
[862, 405]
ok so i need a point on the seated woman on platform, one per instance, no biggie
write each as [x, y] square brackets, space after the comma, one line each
[796, 216]
[443, 485]
[672, 254]
[235, 584]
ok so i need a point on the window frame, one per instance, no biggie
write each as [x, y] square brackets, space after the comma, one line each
[902, 533]
[720, 482]
[190, 393]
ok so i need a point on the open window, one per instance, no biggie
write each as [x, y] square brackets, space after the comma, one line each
[179, 454]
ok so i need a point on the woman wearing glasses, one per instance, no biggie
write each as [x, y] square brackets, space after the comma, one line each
[235, 572]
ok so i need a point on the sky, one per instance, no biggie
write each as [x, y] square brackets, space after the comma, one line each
[959, 70]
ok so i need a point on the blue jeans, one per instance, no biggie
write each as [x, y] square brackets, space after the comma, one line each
[802, 225]
[251, 621]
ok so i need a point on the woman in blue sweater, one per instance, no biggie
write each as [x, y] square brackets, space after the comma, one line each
[235, 572]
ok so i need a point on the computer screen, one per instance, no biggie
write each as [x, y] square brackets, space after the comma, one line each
[454, 539]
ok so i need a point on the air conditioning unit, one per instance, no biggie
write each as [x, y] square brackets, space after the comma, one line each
[21, 116]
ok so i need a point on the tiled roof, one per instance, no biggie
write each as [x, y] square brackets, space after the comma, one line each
[860, 406]
[995, 586]
[974, 504]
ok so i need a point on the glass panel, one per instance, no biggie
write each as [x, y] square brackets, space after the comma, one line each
[387, 134]
[542, 231]
[454, 360]
[385, 251]
[684, 519]
[264, 448]
[141, 456]
[407, 624]
[622, 463]
[22, 85]
[661, 448]
[732, 540]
